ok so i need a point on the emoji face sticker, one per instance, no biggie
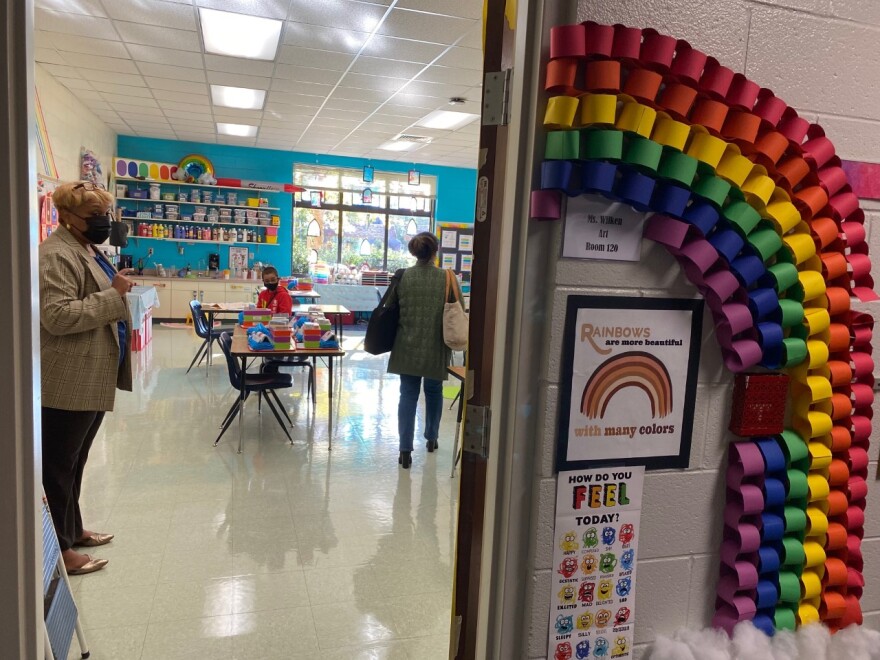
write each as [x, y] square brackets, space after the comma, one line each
[602, 618]
[588, 565]
[621, 646]
[608, 535]
[585, 593]
[601, 649]
[566, 595]
[569, 542]
[624, 585]
[564, 624]
[568, 567]
[607, 562]
[627, 533]
[605, 590]
[563, 651]
[622, 616]
[583, 649]
[591, 538]
[627, 559]
[584, 621]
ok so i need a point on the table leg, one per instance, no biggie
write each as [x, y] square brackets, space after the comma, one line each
[330, 406]
[241, 394]
[455, 450]
[339, 321]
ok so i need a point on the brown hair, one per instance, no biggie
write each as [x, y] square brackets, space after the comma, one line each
[70, 197]
[270, 270]
[424, 246]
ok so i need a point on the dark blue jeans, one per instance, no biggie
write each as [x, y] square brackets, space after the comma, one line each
[409, 401]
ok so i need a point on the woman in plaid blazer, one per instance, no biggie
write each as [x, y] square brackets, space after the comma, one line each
[85, 353]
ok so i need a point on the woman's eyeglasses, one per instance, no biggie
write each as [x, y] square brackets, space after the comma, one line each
[87, 185]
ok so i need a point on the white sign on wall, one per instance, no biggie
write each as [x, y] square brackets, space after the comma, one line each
[596, 228]
[592, 597]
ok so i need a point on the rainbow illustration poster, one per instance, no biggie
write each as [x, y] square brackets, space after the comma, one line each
[629, 376]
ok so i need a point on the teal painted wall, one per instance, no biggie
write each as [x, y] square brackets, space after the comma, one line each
[456, 192]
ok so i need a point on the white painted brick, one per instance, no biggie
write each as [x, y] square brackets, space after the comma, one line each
[681, 514]
[539, 596]
[854, 139]
[701, 598]
[861, 11]
[545, 522]
[871, 620]
[718, 27]
[718, 438]
[872, 510]
[814, 62]
[871, 554]
[656, 269]
[661, 597]
[549, 423]
[712, 369]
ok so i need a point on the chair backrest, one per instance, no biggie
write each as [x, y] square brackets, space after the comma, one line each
[200, 322]
[232, 365]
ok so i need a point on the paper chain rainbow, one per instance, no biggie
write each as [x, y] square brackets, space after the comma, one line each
[752, 202]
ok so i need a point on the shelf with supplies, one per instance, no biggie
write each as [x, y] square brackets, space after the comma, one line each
[188, 203]
[199, 223]
[196, 240]
[201, 185]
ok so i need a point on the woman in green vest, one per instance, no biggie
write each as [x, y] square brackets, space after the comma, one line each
[419, 352]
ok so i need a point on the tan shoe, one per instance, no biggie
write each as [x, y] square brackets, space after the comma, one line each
[93, 540]
[90, 566]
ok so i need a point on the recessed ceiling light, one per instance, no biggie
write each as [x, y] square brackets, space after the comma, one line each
[239, 130]
[446, 120]
[394, 145]
[240, 35]
[238, 97]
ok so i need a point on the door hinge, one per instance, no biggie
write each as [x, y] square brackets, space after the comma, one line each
[476, 430]
[496, 98]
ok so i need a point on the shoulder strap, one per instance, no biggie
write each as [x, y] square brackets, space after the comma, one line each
[450, 284]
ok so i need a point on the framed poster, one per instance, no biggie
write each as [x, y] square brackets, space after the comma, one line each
[414, 177]
[368, 173]
[238, 258]
[629, 380]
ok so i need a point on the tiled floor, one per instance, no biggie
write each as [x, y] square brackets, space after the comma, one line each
[280, 552]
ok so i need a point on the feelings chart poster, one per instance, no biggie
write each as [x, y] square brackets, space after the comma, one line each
[456, 253]
[592, 597]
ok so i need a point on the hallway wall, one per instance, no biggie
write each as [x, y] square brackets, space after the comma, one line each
[816, 55]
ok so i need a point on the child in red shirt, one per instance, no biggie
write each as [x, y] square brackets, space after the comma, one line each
[276, 299]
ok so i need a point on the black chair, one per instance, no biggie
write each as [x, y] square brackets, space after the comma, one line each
[209, 335]
[273, 364]
[263, 384]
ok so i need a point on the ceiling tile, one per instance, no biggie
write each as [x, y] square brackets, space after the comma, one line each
[190, 125]
[239, 65]
[48, 56]
[173, 72]
[82, 88]
[448, 75]
[342, 14]
[324, 38]
[287, 113]
[76, 44]
[59, 71]
[181, 97]
[399, 110]
[465, 8]
[357, 94]
[335, 103]
[382, 83]
[125, 105]
[176, 85]
[170, 56]
[193, 112]
[414, 101]
[164, 37]
[264, 8]
[236, 116]
[103, 63]
[319, 59]
[436, 90]
[474, 38]
[87, 7]
[305, 88]
[69, 23]
[408, 24]
[465, 58]
[283, 123]
[380, 66]
[402, 49]
[306, 74]
[155, 12]
[237, 80]
[123, 90]
[115, 78]
[96, 104]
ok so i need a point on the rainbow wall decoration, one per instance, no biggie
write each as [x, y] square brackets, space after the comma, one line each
[752, 201]
[144, 169]
[630, 369]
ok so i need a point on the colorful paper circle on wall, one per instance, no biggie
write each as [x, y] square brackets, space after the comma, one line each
[195, 165]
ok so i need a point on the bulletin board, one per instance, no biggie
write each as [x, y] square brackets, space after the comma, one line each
[457, 253]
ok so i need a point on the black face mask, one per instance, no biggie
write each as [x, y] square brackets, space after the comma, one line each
[271, 285]
[98, 229]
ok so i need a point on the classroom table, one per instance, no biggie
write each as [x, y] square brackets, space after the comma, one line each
[335, 313]
[460, 374]
[241, 350]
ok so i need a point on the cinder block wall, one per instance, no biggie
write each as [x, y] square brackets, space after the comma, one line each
[822, 57]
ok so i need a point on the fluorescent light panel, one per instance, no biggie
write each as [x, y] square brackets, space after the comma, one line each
[238, 97]
[399, 145]
[239, 35]
[446, 120]
[238, 130]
